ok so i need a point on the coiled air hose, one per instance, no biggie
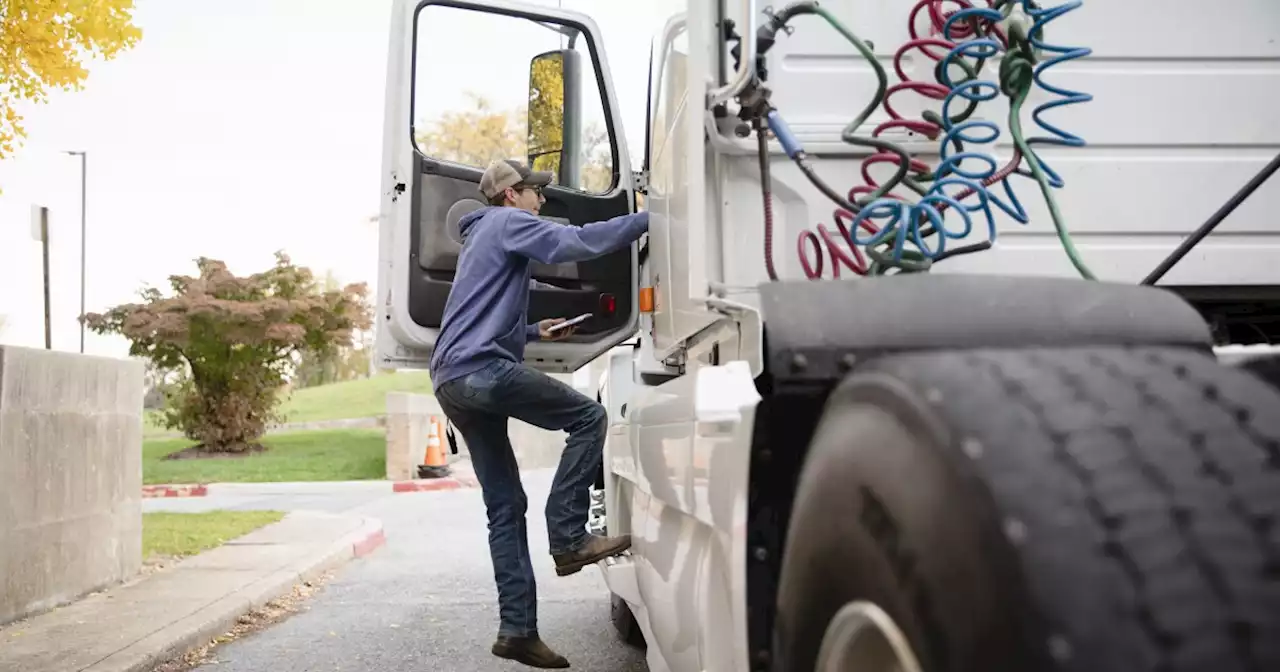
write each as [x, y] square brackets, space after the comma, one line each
[892, 221]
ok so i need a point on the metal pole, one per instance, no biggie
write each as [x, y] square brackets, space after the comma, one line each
[84, 174]
[44, 244]
[1205, 229]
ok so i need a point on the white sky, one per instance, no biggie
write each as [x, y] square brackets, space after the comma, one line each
[234, 129]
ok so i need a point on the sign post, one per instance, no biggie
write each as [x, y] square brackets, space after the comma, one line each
[40, 231]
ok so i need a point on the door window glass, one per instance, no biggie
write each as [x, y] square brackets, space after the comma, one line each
[495, 86]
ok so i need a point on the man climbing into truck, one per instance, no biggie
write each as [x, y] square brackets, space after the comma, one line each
[480, 380]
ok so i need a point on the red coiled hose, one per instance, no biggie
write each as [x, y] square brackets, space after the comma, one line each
[808, 240]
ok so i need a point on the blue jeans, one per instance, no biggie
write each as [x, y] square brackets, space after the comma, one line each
[479, 405]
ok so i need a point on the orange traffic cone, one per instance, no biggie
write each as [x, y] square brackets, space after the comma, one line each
[433, 464]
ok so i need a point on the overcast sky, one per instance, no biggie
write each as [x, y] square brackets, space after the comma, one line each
[234, 129]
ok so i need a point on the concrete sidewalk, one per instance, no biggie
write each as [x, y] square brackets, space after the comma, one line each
[132, 628]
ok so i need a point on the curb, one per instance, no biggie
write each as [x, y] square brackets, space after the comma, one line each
[177, 639]
[435, 484]
[183, 490]
[415, 485]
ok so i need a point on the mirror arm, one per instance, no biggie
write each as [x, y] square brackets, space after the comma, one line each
[568, 31]
[571, 158]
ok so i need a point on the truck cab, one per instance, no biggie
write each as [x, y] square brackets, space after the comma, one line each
[828, 466]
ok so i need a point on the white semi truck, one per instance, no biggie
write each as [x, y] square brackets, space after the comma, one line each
[893, 381]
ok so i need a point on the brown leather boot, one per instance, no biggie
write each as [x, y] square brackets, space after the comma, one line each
[596, 549]
[528, 650]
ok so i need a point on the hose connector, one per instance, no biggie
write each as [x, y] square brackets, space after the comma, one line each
[1018, 23]
[786, 138]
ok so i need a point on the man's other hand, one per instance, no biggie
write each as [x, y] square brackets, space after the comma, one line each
[560, 335]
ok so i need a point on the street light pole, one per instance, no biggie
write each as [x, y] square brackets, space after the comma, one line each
[84, 158]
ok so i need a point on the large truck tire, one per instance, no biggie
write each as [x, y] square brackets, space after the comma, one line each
[624, 622]
[1063, 510]
[1266, 367]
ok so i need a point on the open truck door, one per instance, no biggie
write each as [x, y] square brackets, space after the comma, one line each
[473, 81]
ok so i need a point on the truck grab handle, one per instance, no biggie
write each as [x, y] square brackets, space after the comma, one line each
[746, 65]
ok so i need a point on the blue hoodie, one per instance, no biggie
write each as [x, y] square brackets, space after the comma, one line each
[486, 315]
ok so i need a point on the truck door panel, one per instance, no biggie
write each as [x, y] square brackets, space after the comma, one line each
[537, 92]
[448, 192]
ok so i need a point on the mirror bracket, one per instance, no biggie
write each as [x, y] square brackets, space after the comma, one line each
[568, 31]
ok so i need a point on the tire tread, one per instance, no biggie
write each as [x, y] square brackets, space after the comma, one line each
[1156, 468]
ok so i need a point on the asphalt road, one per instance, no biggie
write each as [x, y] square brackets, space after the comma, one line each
[426, 600]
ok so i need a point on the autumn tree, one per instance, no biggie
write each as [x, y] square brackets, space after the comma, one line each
[344, 361]
[161, 386]
[44, 45]
[348, 362]
[475, 135]
[237, 339]
[597, 168]
[480, 133]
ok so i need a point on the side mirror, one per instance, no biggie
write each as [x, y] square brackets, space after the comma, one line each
[554, 120]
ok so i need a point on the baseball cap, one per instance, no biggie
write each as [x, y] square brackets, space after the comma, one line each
[502, 174]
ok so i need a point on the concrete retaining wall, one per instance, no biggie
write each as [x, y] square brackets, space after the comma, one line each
[70, 477]
[408, 418]
[408, 426]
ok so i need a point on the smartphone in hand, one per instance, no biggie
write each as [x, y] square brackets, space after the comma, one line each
[569, 323]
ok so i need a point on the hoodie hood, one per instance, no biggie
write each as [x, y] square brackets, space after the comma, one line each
[469, 220]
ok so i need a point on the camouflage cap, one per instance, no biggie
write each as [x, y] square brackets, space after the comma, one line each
[502, 174]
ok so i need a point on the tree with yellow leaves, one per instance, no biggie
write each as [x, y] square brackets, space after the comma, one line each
[474, 135]
[545, 122]
[44, 44]
[478, 134]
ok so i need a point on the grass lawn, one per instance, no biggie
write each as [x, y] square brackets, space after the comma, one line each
[320, 455]
[180, 534]
[362, 398]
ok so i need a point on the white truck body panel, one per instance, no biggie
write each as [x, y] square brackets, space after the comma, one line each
[1180, 120]
[679, 475]
[677, 198]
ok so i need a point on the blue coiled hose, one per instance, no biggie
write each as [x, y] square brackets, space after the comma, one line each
[1060, 137]
[902, 221]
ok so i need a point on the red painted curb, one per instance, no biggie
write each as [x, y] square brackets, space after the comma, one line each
[426, 485]
[369, 544]
[434, 484]
[154, 491]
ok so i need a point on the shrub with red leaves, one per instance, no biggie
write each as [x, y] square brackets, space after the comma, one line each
[235, 338]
